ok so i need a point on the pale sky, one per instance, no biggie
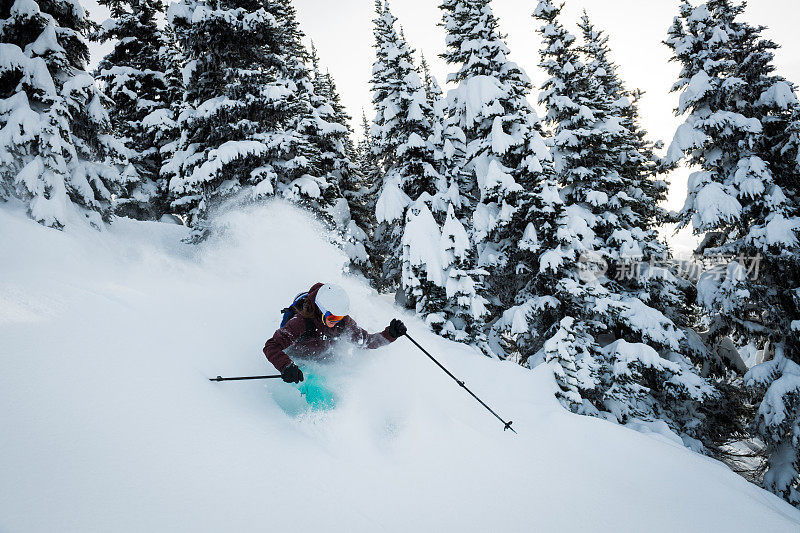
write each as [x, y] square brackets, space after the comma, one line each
[342, 32]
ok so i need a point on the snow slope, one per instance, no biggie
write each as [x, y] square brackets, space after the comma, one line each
[110, 423]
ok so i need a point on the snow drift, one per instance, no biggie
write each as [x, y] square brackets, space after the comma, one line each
[110, 423]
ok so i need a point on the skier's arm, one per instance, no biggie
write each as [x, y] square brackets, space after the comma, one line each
[282, 339]
[367, 340]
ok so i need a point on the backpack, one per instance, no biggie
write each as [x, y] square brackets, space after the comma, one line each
[291, 311]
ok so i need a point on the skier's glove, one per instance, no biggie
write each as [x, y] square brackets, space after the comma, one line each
[397, 329]
[292, 374]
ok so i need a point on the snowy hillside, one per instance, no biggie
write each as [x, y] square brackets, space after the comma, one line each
[110, 423]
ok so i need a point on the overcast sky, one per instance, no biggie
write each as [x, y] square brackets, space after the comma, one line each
[342, 32]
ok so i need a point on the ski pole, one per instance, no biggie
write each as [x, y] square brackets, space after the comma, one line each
[506, 425]
[220, 378]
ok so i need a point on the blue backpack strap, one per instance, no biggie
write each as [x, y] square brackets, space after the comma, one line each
[289, 312]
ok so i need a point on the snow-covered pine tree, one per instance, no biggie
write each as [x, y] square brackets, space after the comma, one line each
[738, 132]
[331, 137]
[133, 77]
[783, 133]
[56, 149]
[449, 149]
[652, 276]
[163, 124]
[173, 60]
[493, 148]
[249, 119]
[332, 132]
[359, 189]
[634, 367]
[325, 86]
[316, 149]
[361, 196]
[423, 278]
[234, 106]
[425, 248]
[401, 143]
[640, 165]
[433, 92]
[560, 353]
[448, 146]
[523, 328]
[463, 316]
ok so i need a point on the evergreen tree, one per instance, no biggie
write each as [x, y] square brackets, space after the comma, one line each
[56, 149]
[317, 144]
[360, 195]
[322, 136]
[325, 86]
[493, 148]
[332, 138]
[234, 107]
[173, 60]
[332, 132]
[423, 277]
[782, 130]
[524, 327]
[448, 146]
[250, 118]
[163, 125]
[560, 354]
[133, 77]
[639, 165]
[738, 132]
[433, 92]
[464, 314]
[632, 363]
[646, 268]
[401, 137]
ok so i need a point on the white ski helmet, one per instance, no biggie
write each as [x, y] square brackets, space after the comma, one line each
[333, 299]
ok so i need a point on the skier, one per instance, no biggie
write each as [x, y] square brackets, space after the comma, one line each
[320, 319]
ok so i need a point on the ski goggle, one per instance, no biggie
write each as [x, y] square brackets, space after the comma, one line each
[328, 318]
[331, 320]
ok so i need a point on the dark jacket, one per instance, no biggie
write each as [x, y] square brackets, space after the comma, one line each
[310, 337]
